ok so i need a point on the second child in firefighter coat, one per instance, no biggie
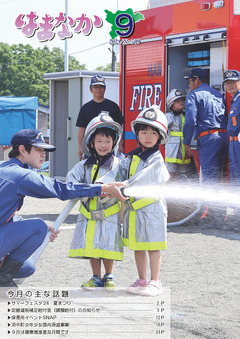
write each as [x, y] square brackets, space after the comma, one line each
[175, 159]
[145, 219]
[98, 231]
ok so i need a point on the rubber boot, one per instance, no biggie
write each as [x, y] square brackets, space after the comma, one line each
[7, 271]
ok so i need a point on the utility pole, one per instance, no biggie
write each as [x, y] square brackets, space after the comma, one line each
[66, 40]
[114, 58]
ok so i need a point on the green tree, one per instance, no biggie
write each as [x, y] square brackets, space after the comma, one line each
[22, 68]
[108, 67]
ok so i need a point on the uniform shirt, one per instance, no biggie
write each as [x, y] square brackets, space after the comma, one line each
[92, 109]
[18, 180]
[205, 110]
[233, 127]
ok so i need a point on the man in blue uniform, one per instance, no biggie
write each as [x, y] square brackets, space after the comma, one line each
[206, 121]
[232, 85]
[20, 238]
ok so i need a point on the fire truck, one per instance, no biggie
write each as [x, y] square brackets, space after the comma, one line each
[174, 37]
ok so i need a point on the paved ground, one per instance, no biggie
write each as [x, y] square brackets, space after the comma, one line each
[200, 268]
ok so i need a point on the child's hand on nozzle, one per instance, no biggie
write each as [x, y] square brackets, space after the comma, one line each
[113, 189]
[122, 189]
[103, 195]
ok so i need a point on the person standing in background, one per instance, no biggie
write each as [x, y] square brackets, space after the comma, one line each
[206, 121]
[232, 85]
[99, 104]
[175, 159]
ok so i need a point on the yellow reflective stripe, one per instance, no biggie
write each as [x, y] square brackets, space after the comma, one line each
[84, 211]
[184, 161]
[132, 229]
[112, 209]
[94, 168]
[96, 253]
[175, 160]
[107, 212]
[176, 134]
[183, 120]
[133, 168]
[178, 161]
[141, 202]
[141, 246]
[136, 205]
[89, 240]
[90, 230]
[134, 165]
[93, 201]
[125, 242]
[145, 246]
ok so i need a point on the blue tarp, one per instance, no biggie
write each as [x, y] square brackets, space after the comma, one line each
[16, 113]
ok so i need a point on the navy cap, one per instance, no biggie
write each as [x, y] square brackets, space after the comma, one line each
[197, 73]
[32, 137]
[231, 74]
[97, 80]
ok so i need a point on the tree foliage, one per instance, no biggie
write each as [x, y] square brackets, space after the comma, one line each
[108, 67]
[22, 68]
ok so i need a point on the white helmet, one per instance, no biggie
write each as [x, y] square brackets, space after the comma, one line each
[102, 120]
[152, 116]
[174, 95]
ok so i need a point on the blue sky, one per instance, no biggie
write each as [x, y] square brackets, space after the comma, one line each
[11, 9]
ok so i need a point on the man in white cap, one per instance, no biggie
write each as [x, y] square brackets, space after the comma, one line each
[94, 107]
[232, 85]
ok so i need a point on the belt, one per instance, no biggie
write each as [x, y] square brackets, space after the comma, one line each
[100, 214]
[233, 138]
[136, 205]
[211, 131]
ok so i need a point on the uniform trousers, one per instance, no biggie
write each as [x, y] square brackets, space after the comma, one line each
[234, 162]
[20, 239]
[212, 149]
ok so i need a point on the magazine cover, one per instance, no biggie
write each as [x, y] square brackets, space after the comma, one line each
[119, 169]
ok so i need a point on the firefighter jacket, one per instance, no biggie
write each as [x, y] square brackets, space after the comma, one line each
[98, 230]
[233, 126]
[174, 149]
[233, 130]
[205, 110]
[145, 219]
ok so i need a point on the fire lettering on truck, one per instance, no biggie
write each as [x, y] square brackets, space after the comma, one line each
[145, 96]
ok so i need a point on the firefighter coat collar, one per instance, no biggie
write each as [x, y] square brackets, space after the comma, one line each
[106, 162]
[144, 155]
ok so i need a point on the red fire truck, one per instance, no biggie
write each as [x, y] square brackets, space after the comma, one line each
[175, 37]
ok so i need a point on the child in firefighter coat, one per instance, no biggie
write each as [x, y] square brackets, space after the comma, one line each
[145, 219]
[98, 231]
[174, 150]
